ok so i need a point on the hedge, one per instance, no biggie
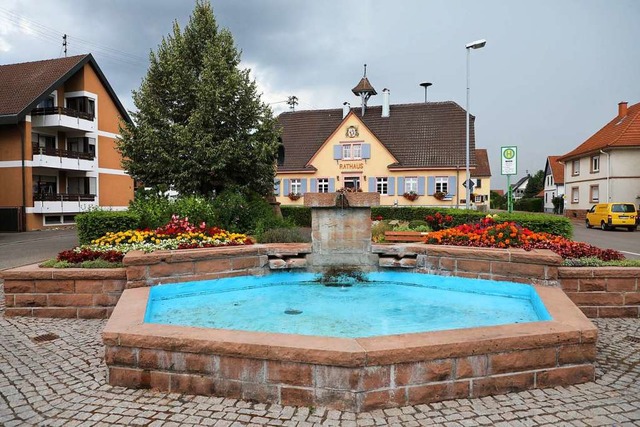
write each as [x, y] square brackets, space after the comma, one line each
[535, 204]
[299, 215]
[537, 222]
[94, 224]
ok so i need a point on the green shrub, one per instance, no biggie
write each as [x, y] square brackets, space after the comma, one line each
[299, 215]
[535, 204]
[596, 262]
[548, 223]
[417, 223]
[460, 216]
[156, 210]
[100, 263]
[96, 223]
[244, 213]
[378, 229]
[54, 263]
[553, 224]
[197, 208]
[284, 235]
[153, 209]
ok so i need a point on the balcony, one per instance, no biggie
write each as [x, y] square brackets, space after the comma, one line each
[63, 119]
[63, 159]
[63, 203]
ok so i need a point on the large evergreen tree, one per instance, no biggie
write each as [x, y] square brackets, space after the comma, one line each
[201, 125]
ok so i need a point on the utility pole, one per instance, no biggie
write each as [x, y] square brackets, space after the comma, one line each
[64, 44]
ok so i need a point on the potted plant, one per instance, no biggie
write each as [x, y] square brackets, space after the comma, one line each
[440, 195]
[410, 195]
[294, 196]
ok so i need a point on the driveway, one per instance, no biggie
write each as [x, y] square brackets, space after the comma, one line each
[18, 249]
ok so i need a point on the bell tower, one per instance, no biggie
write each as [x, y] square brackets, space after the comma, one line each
[364, 90]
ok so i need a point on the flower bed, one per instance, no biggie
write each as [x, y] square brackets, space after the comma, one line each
[179, 233]
[488, 234]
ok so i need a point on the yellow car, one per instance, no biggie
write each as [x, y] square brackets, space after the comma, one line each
[607, 216]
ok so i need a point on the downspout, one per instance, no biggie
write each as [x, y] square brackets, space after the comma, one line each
[23, 212]
[457, 183]
[608, 174]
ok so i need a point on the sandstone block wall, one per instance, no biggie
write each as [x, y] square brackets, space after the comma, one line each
[51, 292]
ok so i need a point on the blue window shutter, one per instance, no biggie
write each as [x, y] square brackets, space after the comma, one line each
[276, 187]
[431, 185]
[401, 185]
[366, 151]
[314, 186]
[303, 185]
[421, 185]
[453, 189]
[286, 187]
[372, 184]
[337, 152]
[332, 185]
[392, 185]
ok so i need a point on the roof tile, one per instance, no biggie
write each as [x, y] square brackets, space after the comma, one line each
[21, 84]
[619, 132]
[418, 135]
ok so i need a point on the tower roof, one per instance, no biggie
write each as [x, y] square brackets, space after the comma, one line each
[364, 87]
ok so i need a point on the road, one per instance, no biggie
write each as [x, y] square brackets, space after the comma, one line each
[620, 239]
[18, 249]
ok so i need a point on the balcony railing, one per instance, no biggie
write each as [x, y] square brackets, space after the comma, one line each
[63, 197]
[62, 110]
[57, 152]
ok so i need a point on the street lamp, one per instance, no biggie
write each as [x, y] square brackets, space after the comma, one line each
[473, 45]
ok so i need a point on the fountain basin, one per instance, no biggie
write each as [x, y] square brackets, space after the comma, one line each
[354, 374]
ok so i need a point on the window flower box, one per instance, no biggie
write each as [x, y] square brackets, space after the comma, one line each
[411, 196]
[294, 196]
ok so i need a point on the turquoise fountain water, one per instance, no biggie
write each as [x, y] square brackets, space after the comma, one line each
[385, 304]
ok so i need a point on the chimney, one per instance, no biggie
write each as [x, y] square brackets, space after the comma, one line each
[622, 109]
[346, 107]
[385, 102]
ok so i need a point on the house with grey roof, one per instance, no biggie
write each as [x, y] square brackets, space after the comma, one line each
[412, 154]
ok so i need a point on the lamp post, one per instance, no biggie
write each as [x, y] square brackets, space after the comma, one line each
[473, 45]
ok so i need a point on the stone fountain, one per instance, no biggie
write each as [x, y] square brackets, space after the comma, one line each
[341, 230]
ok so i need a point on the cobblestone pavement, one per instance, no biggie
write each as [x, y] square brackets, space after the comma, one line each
[63, 383]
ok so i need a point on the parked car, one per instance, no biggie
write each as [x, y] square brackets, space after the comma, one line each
[607, 216]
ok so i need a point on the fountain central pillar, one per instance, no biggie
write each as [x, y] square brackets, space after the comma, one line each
[341, 230]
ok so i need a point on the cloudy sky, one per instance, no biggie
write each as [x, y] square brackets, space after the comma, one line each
[551, 74]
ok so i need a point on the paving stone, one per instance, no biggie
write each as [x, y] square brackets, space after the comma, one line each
[63, 383]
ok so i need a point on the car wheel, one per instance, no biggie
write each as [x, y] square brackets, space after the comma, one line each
[632, 228]
[588, 224]
[603, 226]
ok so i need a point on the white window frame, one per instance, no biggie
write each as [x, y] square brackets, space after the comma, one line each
[411, 184]
[596, 192]
[323, 185]
[575, 195]
[382, 186]
[352, 151]
[296, 186]
[442, 184]
[595, 164]
[575, 165]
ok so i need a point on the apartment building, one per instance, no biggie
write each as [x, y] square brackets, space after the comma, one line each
[59, 121]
